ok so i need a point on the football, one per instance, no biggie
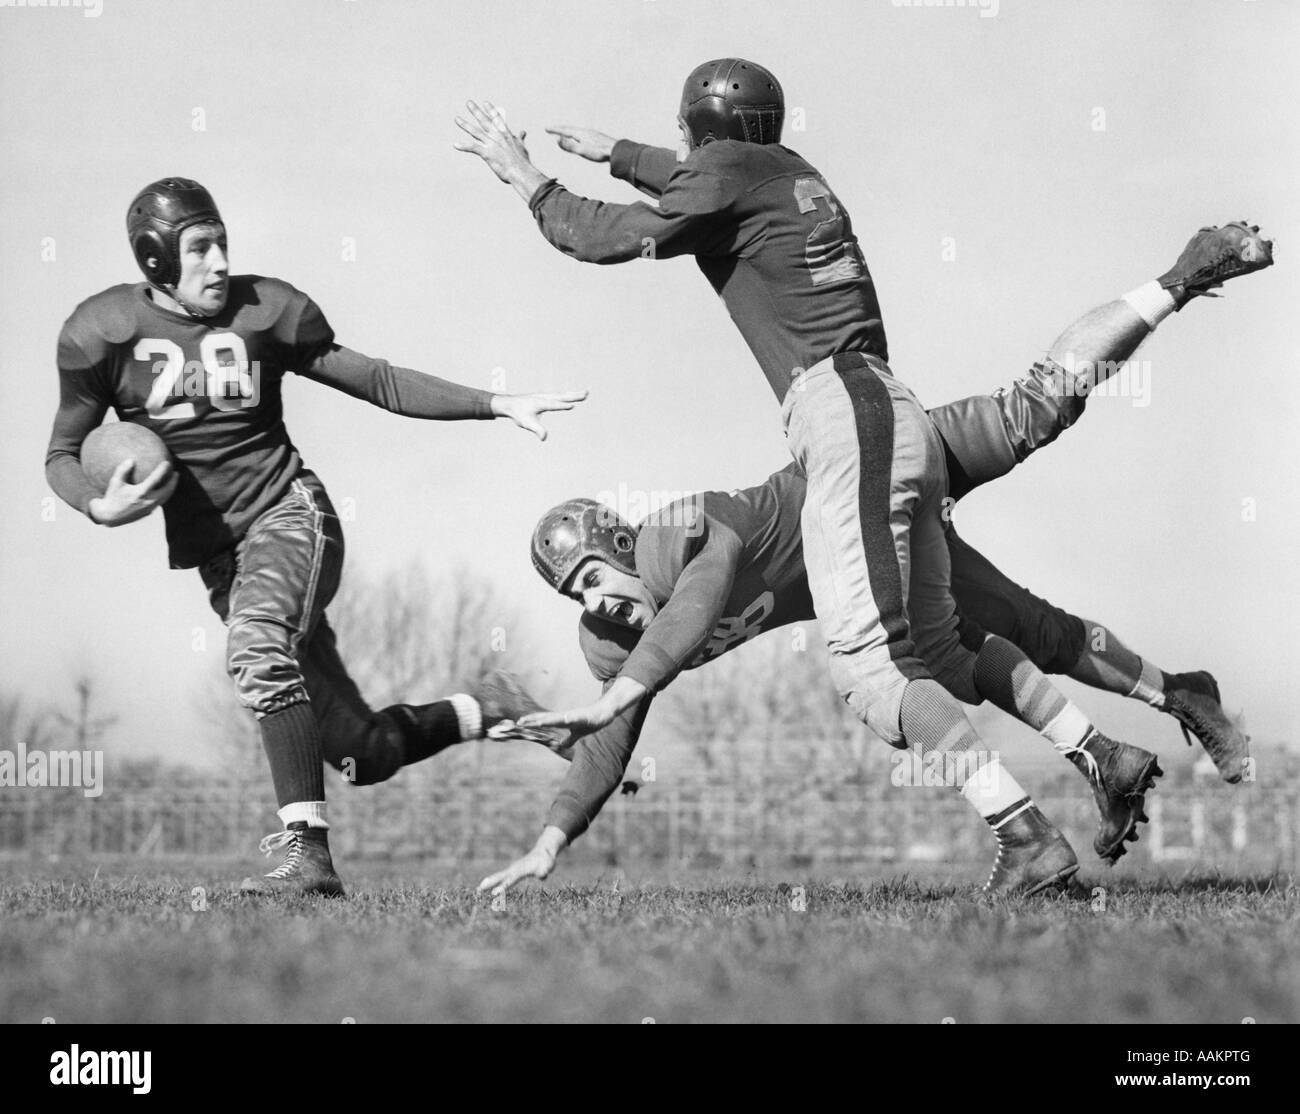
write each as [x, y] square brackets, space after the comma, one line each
[108, 445]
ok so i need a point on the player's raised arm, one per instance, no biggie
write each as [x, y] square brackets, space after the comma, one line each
[689, 220]
[648, 168]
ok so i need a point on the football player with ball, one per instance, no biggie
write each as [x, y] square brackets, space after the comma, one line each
[196, 356]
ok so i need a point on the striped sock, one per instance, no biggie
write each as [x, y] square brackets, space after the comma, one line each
[937, 730]
[1005, 676]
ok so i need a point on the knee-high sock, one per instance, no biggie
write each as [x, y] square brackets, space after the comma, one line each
[936, 728]
[1106, 663]
[1007, 678]
[292, 743]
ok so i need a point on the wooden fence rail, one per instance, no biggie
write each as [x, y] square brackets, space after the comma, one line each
[686, 823]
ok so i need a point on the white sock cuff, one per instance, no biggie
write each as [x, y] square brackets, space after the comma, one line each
[1151, 302]
[468, 715]
[311, 811]
[1149, 686]
[992, 789]
[1068, 728]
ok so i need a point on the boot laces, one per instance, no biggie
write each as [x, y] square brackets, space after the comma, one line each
[1184, 712]
[293, 840]
[1094, 771]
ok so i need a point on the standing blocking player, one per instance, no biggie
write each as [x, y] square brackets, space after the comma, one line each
[778, 247]
[198, 355]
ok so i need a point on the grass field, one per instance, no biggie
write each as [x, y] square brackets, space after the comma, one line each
[122, 943]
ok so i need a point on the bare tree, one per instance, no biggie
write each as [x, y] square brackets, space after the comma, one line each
[87, 728]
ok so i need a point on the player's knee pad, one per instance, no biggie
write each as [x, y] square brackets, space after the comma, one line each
[260, 661]
[876, 703]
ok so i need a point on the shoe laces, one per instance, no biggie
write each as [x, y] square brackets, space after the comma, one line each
[274, 842]
[1183, 712]
[1094, 771]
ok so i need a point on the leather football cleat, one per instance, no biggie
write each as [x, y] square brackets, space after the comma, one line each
[1033, 857]
[502, 700]
[1121, 775]
[1215, 255]
[307, 866]
[1193, 700]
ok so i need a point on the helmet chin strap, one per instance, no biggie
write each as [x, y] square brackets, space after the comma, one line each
[174, 294]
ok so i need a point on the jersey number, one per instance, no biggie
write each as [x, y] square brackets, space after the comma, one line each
[228, 381]
[828, 255]
[734, 630]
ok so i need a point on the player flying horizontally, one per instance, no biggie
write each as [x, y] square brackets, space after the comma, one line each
[197, 355]
[778, 247]
[712, 571]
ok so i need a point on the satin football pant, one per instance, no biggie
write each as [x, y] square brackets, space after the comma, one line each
[873, 533]
[271, 590]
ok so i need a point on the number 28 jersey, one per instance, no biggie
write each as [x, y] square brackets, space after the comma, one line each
[765, 229]
[209, 387]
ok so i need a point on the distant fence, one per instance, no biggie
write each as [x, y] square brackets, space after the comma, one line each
[686, 823]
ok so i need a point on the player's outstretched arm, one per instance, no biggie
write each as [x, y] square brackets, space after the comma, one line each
[415, 394]
[647, 168]
[689, 220]
[587, 143]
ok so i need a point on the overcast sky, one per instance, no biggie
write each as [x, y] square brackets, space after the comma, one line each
[1004, 174]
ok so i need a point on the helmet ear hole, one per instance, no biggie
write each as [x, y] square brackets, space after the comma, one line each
[151, 254]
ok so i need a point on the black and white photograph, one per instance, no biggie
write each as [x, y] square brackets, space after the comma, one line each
[642, 512]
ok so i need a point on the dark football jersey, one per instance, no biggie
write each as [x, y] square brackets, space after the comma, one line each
[765, 228]
[210, 388]
[722, 567]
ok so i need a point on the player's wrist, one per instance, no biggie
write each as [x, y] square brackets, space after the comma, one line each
[527, 179]
[551, 842]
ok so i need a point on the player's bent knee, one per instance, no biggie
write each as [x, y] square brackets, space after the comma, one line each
[259, 661]
[875, 704]
[1055, 641]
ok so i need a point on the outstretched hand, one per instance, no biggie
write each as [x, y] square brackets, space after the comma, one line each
[490, 137]
[538, 863]
[525, 410]
[579, 721]
[586, 142]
